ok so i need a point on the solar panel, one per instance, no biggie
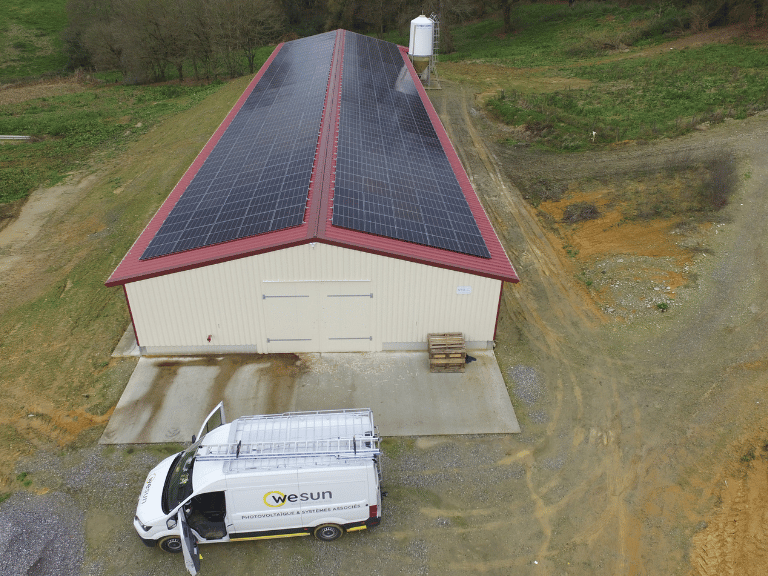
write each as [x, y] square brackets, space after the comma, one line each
[256, 179]
[393, 177]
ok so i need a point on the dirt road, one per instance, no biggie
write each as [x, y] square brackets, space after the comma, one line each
[645, 441]
[658, 426]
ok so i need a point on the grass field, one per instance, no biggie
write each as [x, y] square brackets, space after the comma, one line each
[30, 38]
[89, 116]
[552, 34]
[663, 95]
[67, 128]
[572, 79]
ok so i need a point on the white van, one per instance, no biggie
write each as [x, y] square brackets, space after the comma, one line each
[271, 476]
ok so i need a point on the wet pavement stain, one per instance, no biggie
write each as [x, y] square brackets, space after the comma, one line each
[276, 379]
[167, 399]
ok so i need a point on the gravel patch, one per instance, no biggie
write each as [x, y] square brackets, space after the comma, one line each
[96, 487]
[418, 551]
[555, 463]
[538, 416]
[41, 535]
[528, 385]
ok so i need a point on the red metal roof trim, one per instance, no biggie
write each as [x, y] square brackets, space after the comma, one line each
[325, 209]
[318, 226]
[320, 167]
[326, 151]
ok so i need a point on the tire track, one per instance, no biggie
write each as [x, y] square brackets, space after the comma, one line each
[557, 320]
[735, 542]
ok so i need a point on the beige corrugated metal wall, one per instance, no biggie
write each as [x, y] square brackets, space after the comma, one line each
[313, 297]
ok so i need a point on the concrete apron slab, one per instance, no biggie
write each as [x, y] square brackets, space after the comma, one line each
[166, 399]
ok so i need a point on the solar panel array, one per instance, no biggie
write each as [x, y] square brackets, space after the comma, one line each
[256, 179]
[393, 177]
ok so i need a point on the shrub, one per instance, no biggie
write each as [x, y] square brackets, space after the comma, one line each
[542, 190]
[580, 211]
[721, 182]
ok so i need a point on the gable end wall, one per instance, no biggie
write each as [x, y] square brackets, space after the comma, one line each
[238, 304]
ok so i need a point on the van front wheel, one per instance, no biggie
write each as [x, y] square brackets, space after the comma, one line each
[171, 544]
[328, 532]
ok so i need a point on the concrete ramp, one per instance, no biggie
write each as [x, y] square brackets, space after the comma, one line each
[167, 399]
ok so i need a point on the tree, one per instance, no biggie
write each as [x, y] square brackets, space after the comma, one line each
[225, 33]
[201, 38]
[450, 13]
[506, 12]
[139, 27]
[89, 37]
[240, 27]
[261, 23]
[173, 22]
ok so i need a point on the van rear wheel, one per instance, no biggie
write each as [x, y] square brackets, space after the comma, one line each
[171, 544]
[328, 532]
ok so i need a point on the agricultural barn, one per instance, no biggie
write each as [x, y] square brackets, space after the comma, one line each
[328, 213]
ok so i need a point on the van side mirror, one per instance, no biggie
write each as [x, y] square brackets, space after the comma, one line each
[194, 438]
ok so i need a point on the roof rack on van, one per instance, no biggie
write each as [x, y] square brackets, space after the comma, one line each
[363, 447]
[340, 433]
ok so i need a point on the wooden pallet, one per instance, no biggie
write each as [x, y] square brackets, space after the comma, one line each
[447, 352]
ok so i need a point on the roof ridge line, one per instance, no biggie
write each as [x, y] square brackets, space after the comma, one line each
[320, 189]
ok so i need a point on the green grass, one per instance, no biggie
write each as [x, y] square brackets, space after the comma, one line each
[644, 98]
[24, 479]
[30, 37]
[749, 455]
[548, 34]
[66, 129]
[396, 447]
[617, 94]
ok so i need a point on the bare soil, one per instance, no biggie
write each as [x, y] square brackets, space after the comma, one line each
[653, 414]
[644, 450]
[16, 93]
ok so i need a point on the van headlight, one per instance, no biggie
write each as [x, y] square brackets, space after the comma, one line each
[143, 526]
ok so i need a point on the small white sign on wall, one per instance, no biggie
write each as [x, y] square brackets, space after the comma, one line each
[464, 290]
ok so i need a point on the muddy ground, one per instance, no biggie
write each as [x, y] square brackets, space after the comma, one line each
[645, 444]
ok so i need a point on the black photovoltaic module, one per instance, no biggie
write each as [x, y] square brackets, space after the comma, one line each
[256, 179]
[393, 178]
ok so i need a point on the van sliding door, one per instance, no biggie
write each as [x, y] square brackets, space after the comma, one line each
[270, 504]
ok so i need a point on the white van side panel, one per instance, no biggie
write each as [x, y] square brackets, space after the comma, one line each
[258, 503]
[282, 501]
[336, 496]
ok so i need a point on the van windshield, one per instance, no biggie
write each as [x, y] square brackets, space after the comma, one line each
[179, 484]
